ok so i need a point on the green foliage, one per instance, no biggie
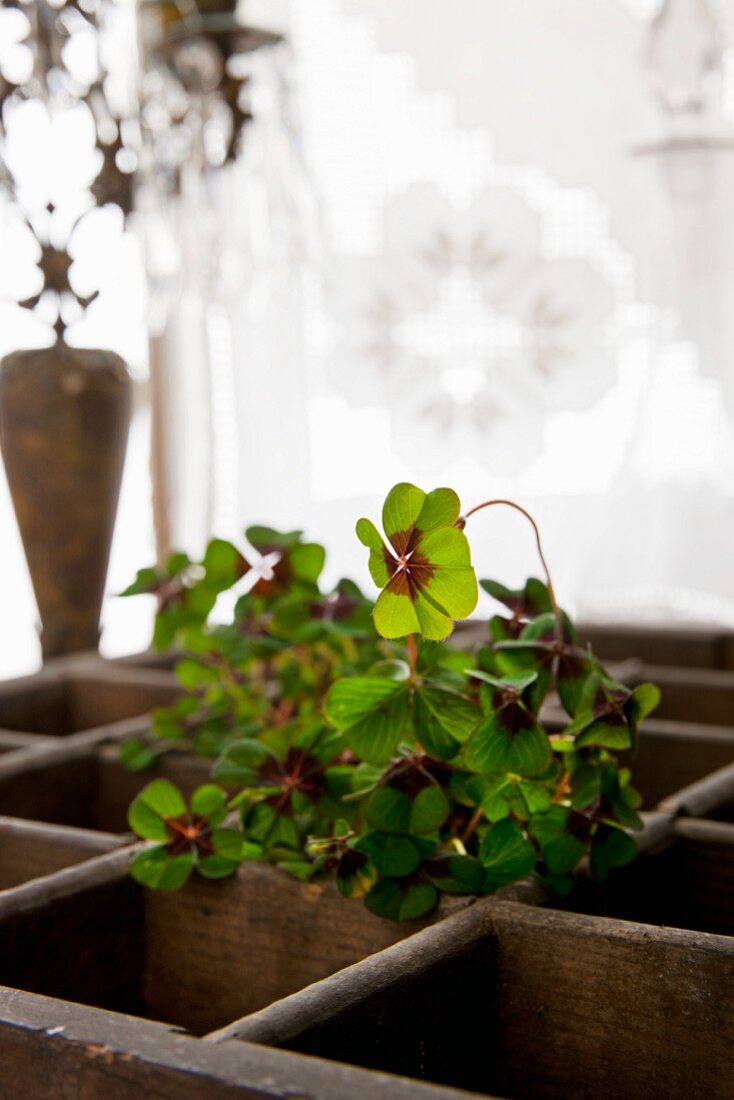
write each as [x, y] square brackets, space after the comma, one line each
[187, 838]
[404, 769]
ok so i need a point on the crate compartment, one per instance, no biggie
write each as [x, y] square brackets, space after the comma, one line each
[60, 702]
[689, 884]
[671, 756]
[684, 647]
[512, 1001]
[90, 789]
[29, 850]
[197, 958]
[690, 695]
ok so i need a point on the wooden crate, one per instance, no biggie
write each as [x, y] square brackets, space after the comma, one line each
[260, 986]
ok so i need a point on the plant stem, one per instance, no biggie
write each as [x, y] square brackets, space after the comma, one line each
[562, 788]
[541, 555]
[475, 818]
[471, 827]
[412, 653]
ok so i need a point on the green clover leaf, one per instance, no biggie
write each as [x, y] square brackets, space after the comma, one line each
[425, 573]
[188, 838]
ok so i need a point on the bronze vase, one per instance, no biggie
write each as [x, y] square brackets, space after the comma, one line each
[64, 419]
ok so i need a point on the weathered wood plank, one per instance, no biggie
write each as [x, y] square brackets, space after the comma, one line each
[77, 935]
[53, 1049]
[197, 958]
[218, 950]
[597, 1007]
[10, 740]
[318, 1005]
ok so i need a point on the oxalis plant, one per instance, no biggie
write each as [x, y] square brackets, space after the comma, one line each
[423, 769]
[271, 666]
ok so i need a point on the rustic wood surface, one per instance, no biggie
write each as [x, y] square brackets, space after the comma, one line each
[51, 1049]
[595, 1007]
[76, 935]
[286, 1021]
[218, 950]
[77, 782]
[10, 740]
[42, 788]
[197, 958]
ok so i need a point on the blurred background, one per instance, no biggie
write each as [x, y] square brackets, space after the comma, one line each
[344, 243]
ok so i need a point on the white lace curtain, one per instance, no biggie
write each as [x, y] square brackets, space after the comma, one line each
[448, 267]
[512, 301]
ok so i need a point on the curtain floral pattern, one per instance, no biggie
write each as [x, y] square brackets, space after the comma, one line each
[466, 332]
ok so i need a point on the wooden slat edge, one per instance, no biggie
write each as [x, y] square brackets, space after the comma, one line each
[125, 1052]
[93, 840]
[716, 832]
[97, 871]
[703, 796]
[58, 749]
[349, 986]
[581, 925]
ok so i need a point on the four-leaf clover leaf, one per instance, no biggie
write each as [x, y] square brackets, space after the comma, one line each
[187, 838]
[425, 572]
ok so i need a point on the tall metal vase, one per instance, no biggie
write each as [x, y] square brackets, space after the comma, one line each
[64, 419]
